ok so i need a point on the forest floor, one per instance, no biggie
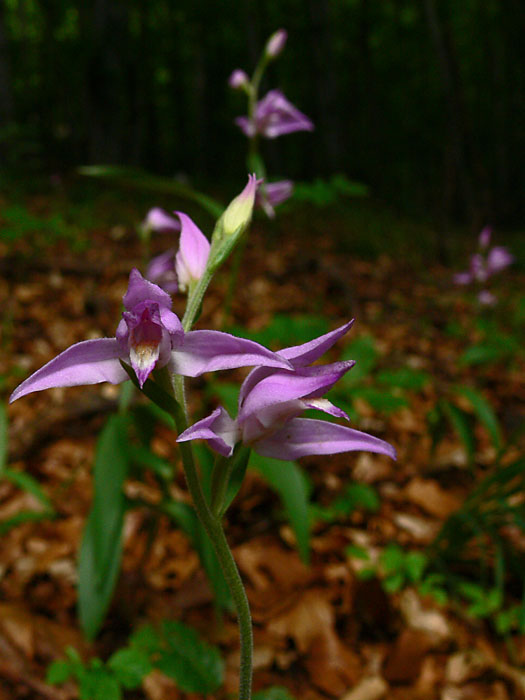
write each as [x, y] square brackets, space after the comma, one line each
[321, 630]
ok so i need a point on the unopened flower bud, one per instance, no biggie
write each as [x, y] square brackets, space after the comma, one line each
[276, 43]
[238, 79]
[484, 237]
[239, 212]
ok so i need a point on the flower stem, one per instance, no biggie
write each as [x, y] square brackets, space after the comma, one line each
[213, 527]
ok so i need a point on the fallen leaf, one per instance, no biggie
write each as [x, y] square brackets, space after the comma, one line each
[368, 689]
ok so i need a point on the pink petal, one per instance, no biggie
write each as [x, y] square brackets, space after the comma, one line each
[139, 289]
[301, 437]
[193, 253]
[88, 362]
[208, 351]
[218, 429]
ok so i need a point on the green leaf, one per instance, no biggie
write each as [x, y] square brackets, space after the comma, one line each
[288, 480]
[26, 482]
[366, 574]
[461, 423]
[25, 516]
[195, 666]
[471, 591]
[392, 558]
[394, 583]
[142, 180]
[130, 666]
[354, 497]
[275, 693]
[3, 439]
[99, 684]
[415, 564]
[484, 412]
[353, 550]
[348, 187]
[146, 639]
[380, 399]
[58, 672]
[145, 458]
[497, 348]
[101, 548]
[363, 351]
[403, 378]
[186, 518]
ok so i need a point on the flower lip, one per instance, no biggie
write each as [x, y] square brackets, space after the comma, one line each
[145, 338]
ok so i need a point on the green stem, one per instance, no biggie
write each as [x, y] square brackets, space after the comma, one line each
[213, 527]
[231, 573]
[195, 297]
[232, 281]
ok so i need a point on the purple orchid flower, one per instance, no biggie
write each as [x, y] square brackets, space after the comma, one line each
[272, 194]
[486, 298]
[149, 335]
[176, 272]
[271, 401]
[274, 116]
[485, 263]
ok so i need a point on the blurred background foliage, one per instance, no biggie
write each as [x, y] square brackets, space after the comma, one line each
[421, 101]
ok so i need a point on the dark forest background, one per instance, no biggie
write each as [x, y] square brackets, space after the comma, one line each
[422, 100]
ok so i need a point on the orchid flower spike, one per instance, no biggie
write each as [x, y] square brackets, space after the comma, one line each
[149, 336]
[271, 401]
[274, 116]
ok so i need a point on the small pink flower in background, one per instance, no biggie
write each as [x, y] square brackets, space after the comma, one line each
[272, 194]
[159, 220]
[238, 79]
[483, 264]
[498, 259]
[274, 116]
[486, 298]
[276, 43]
[161, 271]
